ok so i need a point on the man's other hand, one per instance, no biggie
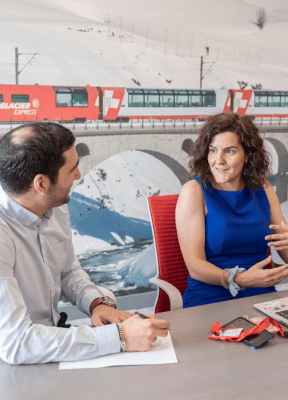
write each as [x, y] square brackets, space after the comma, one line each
[103, 315]
[140, 333]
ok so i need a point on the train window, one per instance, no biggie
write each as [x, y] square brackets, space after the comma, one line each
[79, 97]
[166, 98]
[151, 98]
[284, 99]
[71, 97]
[195, 100]
[136, 100]
[20, 98]
[209, 98]
[1, 98]
[181, 101]
[261, 99]
[273, 101]
[181, 98]
[63, 97]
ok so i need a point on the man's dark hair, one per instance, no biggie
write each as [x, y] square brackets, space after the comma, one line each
[256, 168]
[32, 149]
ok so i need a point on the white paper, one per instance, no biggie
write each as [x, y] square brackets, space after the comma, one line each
[161, 352]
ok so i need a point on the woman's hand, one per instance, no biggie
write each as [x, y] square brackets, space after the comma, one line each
[256, 276]
[279, 239]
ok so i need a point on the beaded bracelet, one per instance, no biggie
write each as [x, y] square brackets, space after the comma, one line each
[121, 336]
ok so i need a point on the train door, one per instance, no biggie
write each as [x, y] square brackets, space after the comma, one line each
[109, 103]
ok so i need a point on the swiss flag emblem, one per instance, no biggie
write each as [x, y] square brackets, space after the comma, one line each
[241, 101]
[112, 100]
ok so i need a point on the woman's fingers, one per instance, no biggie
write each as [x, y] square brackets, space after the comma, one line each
[283, 227]
[278, 243]
[278, 240]
[262, 264]
[276, 236]
[278, 274]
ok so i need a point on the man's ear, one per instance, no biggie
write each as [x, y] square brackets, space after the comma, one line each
[41, 183]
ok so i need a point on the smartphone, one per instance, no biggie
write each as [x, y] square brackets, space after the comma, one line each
[253, 341]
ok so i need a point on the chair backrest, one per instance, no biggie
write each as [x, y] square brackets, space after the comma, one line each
[171, 265]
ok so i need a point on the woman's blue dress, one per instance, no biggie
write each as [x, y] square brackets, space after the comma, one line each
[236, 224]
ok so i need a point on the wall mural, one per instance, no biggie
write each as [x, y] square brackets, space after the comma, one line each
[111, 230]
[110, 223]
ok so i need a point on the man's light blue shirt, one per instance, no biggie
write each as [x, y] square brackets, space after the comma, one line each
[37, 261]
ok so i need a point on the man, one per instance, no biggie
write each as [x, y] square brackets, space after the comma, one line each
[38, 165]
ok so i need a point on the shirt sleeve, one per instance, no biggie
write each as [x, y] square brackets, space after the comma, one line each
[25, 342]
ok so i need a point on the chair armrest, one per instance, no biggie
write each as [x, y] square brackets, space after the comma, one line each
[275, 265]
[176, 301]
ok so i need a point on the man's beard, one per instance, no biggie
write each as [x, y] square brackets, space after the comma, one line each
[57, 198]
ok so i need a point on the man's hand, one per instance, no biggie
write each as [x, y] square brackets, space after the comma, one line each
[140, 333]
[103, 315]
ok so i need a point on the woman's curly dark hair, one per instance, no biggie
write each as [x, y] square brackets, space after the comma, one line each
[257, 167]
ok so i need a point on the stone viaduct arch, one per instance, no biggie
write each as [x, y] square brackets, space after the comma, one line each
[170, 148]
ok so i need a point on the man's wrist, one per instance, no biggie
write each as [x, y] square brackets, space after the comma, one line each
[101, 300]
[121, 337]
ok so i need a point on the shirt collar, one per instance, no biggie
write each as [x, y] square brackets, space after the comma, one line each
[48, 213]
[16, 211]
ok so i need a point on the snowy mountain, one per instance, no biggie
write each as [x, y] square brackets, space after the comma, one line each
[157, 43]
[109, 207]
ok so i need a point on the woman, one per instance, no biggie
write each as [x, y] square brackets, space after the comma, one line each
[224, 215]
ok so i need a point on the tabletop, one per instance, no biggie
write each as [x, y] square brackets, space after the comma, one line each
[207, 369]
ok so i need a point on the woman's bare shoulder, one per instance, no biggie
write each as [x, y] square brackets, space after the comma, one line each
[267, 185]
[270, 192]
[191, 193]
[191, 186]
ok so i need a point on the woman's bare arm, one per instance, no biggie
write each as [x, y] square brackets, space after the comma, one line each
[190, 224]
[279, 238]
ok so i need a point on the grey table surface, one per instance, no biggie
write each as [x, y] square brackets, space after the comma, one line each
[207, 369]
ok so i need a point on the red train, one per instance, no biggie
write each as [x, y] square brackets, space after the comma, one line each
[87, 103]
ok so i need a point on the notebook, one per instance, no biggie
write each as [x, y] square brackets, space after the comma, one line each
[277, 309]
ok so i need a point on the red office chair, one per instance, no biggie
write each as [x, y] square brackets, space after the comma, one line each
[172, 273]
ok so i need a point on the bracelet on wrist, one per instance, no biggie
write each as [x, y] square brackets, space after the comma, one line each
[121, 336]
[222, 279]
[233, 287]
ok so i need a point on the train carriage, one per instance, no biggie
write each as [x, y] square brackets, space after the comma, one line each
[24, 103]
[265, 104]
[20, 103]
[174, 103]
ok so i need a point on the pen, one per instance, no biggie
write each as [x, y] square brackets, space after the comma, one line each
[145, 317]
[141, 315]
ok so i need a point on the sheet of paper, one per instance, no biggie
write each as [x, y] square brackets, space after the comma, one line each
[161, 352]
